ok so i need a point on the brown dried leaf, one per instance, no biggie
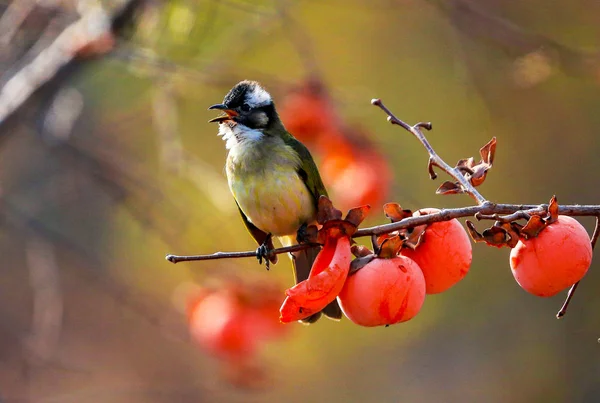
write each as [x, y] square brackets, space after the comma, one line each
[476, 173]
[356, 215]
[417, 235]
[449, 188]
[334, 229]
[495, 236]
[512, 232]
[465, 165]
[360, 250]
[395, 213]
[479, 174]
[390, 247]
[326, 211]
[552, 210]
[533, 227]
[476, 236]
[360, 262]
[488, 152]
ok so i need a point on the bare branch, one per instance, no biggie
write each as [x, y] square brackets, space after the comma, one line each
[484, 211]
[434, 159]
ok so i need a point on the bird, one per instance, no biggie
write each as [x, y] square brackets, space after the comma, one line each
[272, 177]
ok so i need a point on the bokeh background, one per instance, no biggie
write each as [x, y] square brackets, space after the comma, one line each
[107, 163]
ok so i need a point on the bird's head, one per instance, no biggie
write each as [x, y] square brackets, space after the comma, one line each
[247, 104]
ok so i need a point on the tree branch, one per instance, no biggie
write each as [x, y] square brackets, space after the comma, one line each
[486, 211]
[434, 159]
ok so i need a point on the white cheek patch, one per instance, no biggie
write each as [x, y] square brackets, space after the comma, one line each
[236, 135]
[257, 97]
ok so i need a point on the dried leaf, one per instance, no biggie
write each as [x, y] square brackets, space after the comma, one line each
[495, 236]
[449, 188]
[476, 236]
[475, 173]
[479, 174]
[361, 251]
[390, 247]
[465, 166]
[416, 236]
[359, 263]
[356, 215]
[395, 213]
[512, 232]
[488, 152]
[326, 211]
[335, 229]
[533, 227]
[552, 210]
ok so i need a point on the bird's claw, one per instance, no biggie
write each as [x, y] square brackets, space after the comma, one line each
[263, 252]
[306, 234]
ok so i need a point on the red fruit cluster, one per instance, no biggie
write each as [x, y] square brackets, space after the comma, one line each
[353, 170]
[235, 319]
[391, 287]
[555, 259]
[380, 288]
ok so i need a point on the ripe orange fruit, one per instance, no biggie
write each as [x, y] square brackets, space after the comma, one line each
[234, 321]
[444, 253]
[384, 292]
[216, 323]
[554, 260]
[308, 112]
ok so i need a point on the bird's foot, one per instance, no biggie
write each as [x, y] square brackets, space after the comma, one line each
[264, 250]
[306, 234]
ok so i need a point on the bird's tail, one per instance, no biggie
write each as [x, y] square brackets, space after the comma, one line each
[302, 262]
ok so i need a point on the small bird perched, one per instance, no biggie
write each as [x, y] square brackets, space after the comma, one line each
[271, 175]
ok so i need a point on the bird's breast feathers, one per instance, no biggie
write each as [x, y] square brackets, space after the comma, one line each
[263, 177]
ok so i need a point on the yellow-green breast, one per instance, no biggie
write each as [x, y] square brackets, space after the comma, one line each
[263, 179]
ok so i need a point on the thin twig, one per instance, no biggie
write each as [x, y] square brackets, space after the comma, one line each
[487, 209]
[235, 255]
[563, 308]
[434, 159]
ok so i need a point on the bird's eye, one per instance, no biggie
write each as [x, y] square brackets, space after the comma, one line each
[245, 107]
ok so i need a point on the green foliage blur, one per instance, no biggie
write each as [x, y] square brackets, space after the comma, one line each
[142, 176]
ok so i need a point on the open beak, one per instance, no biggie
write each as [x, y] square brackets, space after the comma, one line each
[229, 113]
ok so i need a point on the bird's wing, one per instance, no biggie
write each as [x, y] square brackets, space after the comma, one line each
[308, 170]
[256, 233]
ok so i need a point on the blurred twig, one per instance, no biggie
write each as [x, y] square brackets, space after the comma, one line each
[563, 309]
[91, 34]
[47, 298]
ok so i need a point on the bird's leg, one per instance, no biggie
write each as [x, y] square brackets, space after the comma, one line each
[303, 236]
[264, 250]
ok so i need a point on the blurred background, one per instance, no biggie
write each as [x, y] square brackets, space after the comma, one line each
[107, 163]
